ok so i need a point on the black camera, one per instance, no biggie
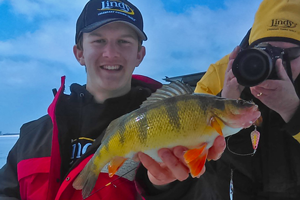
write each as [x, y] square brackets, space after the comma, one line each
[254, 65]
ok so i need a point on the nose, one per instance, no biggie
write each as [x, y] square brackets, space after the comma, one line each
[110, 50]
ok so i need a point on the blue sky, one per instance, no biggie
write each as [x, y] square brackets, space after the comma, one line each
[37, 36]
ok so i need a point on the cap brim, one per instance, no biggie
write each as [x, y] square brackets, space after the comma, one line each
[96, 25]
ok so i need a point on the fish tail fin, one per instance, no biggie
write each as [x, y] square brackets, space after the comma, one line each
[115, 164]
[86, 181]
[195, 159]
[214, 123]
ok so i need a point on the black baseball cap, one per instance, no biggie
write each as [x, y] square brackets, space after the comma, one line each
[97, 13]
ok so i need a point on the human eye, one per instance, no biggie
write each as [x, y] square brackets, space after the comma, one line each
[122, 41]
[293, 52]
[101, 41]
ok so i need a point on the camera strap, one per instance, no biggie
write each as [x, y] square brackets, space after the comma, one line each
[287, 66]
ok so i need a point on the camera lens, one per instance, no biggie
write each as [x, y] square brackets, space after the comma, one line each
[251, 67]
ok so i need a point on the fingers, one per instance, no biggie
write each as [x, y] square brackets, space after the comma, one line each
[229, 74]
[232, 56]
[158, 174]
[179, 151]
[149, 163]
[281, 72]
[217, 149]
[170, 170]
[175, 165]
[235, 52]
[231, 88]
[259, 92]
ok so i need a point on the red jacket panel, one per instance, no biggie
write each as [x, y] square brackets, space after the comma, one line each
[105, 188]
[33, 175]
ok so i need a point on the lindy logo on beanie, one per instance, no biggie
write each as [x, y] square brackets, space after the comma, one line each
[116, 6]
[283, 23]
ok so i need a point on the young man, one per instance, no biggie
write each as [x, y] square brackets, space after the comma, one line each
[273, 172]
[52, 150]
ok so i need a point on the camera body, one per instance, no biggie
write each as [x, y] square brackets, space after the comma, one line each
[254, 65]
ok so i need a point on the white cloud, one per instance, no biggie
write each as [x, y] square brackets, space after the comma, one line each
[178, 43]
[188, 42]
[27, 74]
[41, 8]
[52, 42]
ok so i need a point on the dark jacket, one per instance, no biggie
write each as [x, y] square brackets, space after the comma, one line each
[272, 173]
[48, 155]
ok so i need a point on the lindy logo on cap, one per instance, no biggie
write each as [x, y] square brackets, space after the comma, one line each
[116, 6]
[283, 23]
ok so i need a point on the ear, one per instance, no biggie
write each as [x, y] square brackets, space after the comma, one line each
[140, 55]
[79, 55]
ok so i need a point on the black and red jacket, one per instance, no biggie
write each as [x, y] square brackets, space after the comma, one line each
[38, 166]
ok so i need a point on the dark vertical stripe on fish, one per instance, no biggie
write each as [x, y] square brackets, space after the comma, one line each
[106, 146]
[172, 113]
[121, 131]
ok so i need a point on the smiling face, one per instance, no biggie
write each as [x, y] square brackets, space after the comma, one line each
[110, 54]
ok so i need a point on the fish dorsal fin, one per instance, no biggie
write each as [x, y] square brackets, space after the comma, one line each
[175, 88]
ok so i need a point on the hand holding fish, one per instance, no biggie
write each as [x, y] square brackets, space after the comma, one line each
[270, 91]
[231, 89]
[173, 166]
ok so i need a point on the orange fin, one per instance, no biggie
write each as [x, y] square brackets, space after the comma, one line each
[115, 164]
[192, 154]
[195, 159]
[216, 125]
[259, 121]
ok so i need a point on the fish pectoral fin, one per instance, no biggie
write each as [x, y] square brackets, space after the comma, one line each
[115, 164]
[193, 154]
[195, 159]
[214, 123]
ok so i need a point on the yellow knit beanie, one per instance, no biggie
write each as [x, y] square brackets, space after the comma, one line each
[276, 20]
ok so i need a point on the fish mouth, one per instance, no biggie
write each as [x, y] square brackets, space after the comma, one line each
[248, 116]
[244, 119]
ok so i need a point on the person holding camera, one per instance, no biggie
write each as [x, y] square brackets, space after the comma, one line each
[266, 72]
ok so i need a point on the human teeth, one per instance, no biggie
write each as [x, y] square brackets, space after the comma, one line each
[111, 67]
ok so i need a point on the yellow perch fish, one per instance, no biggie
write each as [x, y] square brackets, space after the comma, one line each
[170, 117]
